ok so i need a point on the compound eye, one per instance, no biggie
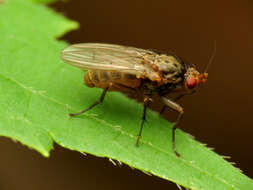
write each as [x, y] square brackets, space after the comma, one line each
[191, 82]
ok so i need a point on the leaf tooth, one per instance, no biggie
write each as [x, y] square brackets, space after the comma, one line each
[203, 144]
[178, 186]
[190, 135]
[112, 161]
[211, 148]
[147, 173]
[115, 162]
[233, 163]
[239, 169]
[83, 153]
[226, 157]
[119, 162]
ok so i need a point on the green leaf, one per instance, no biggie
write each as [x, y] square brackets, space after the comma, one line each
[37, 90]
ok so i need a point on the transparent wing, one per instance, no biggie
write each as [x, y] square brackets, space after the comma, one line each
[98, 56]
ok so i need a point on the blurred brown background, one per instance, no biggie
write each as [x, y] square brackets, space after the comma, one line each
[220, 114]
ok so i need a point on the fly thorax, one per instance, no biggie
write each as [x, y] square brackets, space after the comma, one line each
[170, 67]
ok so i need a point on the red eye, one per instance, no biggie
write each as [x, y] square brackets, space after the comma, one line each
[191, 82]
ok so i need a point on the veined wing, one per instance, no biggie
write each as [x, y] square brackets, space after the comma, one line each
[98, 56]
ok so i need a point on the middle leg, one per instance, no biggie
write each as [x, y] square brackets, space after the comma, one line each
[145, 106]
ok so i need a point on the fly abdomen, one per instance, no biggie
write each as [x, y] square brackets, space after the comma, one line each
[95, 78]
[87, 80]
[116, 75]
[103, 79]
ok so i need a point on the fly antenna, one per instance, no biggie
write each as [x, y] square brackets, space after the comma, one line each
[211, 58]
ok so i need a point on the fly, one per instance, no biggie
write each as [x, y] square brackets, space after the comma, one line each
[133, 70]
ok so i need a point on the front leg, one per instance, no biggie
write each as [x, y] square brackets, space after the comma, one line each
[176, 99]
[173, 105]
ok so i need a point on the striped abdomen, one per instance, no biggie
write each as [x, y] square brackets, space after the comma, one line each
[103, 79]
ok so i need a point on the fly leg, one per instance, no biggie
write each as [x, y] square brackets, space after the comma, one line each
[173, 105]
[92, 105]
[143, 119]
[112, 86]
[162, 110]
[176, 99]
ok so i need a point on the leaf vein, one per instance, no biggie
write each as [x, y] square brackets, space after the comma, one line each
[28, 105]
